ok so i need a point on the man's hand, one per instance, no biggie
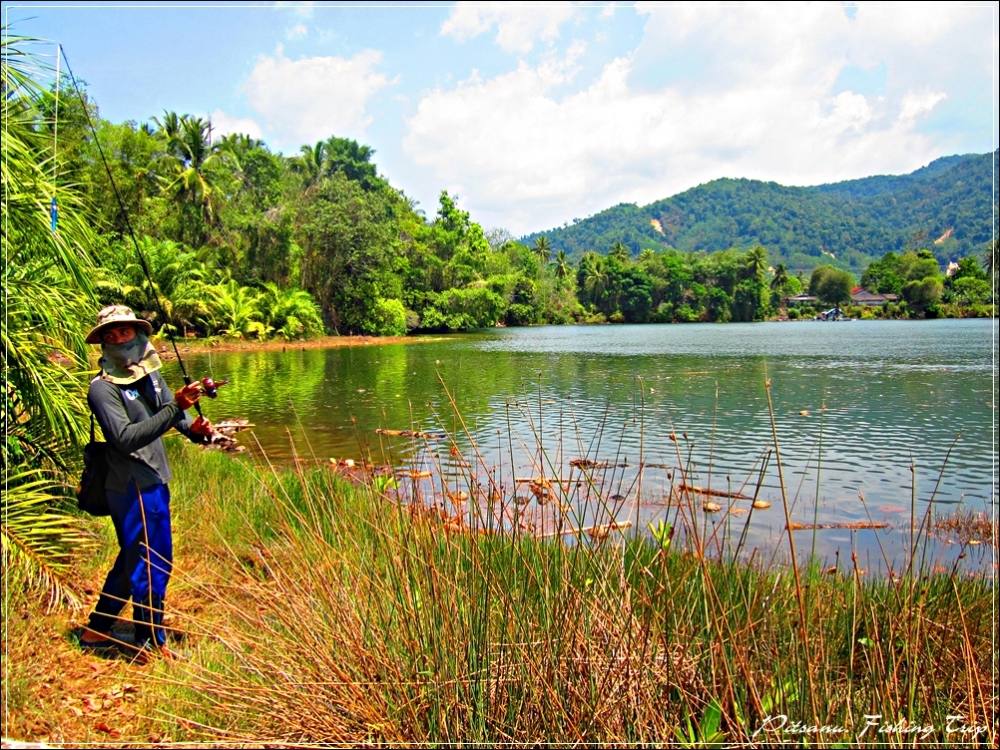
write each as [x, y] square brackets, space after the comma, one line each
[203, 429]
[188, 396]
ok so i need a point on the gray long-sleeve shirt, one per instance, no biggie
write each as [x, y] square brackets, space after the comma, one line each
[133, 419]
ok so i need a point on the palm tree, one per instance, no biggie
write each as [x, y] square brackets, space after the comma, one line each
[561, 265]
[47, 291]
[543, 249]
[236, 310]
[309, 164]
[191, 177]
[595, 275]
[620, 252]
[780, 278]
[170, 128]
[756, 263]
[290, 313]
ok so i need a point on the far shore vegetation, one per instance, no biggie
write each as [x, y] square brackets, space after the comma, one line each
[310, 608]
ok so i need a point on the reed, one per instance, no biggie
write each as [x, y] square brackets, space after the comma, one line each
[345, 612]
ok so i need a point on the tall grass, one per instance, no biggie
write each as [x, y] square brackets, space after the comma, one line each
[340, 613]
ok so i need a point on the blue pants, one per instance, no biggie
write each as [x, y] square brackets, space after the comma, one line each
[142, 569]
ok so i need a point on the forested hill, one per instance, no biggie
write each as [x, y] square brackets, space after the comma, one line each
[944, 206]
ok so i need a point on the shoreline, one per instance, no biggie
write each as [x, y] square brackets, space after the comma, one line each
[198, 346]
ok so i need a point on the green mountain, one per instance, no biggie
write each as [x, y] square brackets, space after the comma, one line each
[945, 206]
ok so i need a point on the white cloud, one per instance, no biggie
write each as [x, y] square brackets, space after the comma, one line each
[297, 31]
[519, 25]
[312, 98]
[223, 124]
[760, 100]
[917, 104]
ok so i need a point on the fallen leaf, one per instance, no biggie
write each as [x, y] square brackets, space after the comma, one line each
[102, 726]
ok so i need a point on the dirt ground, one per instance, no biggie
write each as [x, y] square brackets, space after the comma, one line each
[189, 346]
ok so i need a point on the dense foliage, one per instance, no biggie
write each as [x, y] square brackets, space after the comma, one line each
[46, 291]
[945, 206]
[247, 243]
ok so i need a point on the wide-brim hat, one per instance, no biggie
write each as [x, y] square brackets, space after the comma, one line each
[114, 315]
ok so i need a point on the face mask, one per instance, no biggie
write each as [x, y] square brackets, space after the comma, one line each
[129, 362]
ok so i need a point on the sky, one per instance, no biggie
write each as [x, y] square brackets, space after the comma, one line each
[536, 114]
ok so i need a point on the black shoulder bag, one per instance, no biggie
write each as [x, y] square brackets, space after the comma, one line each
[90, 494]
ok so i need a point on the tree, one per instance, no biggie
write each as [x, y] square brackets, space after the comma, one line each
[543, 250]
[347, 248]
[832, 286]
[620, 252]
[924, 293]
[352, 159]
[191, 180]
[309, 165]
[47, 293]
[561, 265]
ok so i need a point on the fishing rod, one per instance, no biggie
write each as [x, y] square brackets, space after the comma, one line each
[211, 386]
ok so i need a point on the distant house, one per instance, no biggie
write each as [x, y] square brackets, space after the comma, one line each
[802, 299]
[864, 297]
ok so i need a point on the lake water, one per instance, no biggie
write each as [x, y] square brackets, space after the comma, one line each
[874, 420]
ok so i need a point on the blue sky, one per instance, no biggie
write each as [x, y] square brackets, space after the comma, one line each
[534, 114]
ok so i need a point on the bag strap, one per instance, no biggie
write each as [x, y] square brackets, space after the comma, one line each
[91, 426]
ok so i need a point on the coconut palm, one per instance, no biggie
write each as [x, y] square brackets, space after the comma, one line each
[543, 249]
[192, 179]
[756, 263]
[561, 265]
[309, 164]
[780, 278]
[620, 252]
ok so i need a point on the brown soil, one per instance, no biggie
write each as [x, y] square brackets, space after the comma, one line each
[196, 346]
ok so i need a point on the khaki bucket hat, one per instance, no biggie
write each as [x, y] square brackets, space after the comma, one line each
[113, 315]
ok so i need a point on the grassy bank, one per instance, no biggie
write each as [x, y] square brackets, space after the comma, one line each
[314, 609]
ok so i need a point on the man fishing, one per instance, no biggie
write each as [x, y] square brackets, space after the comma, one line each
[131, 402]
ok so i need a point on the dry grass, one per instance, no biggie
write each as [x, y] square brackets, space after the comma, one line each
[323, 611]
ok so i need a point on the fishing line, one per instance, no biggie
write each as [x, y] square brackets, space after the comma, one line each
[54, 204]
[128, 225]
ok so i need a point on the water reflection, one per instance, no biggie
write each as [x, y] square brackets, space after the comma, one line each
[865, 413]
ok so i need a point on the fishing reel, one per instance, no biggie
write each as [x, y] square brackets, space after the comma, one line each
[212, 386]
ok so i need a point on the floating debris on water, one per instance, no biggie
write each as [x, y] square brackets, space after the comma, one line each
[410, 433]
[970, 527]
[855, 525]
[714, 493]
[710, 507]
[761, 504]
[413, 473]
